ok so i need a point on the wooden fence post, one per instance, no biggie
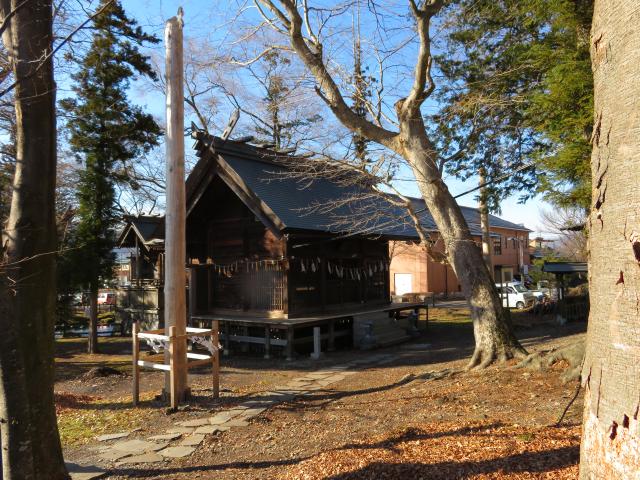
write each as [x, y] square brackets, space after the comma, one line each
[136, 368]
[215, 357]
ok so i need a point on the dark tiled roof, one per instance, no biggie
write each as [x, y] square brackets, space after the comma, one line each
[565, 267]
[149, 229]
[472, 216]
[317, 205]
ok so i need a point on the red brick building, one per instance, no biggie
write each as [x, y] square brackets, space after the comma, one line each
[413, 271]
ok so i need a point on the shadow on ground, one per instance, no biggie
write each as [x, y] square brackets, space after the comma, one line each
[532, 462]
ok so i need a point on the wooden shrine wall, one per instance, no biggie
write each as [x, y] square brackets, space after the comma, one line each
[327, 274]
[246, 270]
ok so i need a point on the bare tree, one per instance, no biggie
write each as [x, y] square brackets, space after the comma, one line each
[569, 227]
[30, 441]
[304, 26]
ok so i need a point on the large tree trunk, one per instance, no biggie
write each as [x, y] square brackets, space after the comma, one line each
[30, 442]
[494, 338]
[92, 338]
[611, 372]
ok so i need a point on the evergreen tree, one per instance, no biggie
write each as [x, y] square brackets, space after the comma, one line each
[360, 92]
[519, 90]
[107, 132]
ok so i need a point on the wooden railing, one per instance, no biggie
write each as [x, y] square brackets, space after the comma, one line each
[168, 343]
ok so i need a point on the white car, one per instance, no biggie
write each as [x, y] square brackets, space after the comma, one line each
[515, 295]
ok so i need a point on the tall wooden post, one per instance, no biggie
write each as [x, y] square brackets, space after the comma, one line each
[175, 243]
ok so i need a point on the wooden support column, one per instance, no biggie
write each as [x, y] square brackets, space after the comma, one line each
[332, 336]
[323, 280]
[215, 357]
[317, 344]
[138, 262]
[193, 293]
[175, 244]
[289, 348]
[426, 317]
[286, 284]
[244, 346]
[136, 369]
[227, 341]
[210, 280]
[267, 342]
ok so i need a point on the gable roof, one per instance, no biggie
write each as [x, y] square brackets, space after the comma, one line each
[148, 229]
[285, 203]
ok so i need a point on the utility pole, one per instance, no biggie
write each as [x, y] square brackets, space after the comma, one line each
[175, 243]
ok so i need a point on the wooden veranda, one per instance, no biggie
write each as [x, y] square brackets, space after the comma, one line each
[287, 333]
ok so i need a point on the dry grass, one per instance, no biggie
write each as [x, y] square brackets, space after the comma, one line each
[450, 315]
[81, 417]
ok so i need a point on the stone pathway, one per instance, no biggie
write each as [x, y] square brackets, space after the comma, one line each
[182, 439]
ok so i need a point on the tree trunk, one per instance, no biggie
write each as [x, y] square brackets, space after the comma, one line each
[611, 373]
[30, 441]
[92, 338]
[493, 333]
[494, 338]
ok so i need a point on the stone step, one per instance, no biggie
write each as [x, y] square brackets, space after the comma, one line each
[389, 327]
[385, 338]
[388, 340]
[372, 331]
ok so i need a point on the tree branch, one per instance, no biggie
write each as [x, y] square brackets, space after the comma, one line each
[423, 84]
[330, 93]
[6, 21]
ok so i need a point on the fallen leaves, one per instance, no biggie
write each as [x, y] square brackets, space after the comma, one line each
[475, 450]
[67, 400]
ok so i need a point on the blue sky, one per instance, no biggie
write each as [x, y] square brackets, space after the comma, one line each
[216, 20]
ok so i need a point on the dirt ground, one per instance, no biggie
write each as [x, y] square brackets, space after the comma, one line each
[388, 421]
